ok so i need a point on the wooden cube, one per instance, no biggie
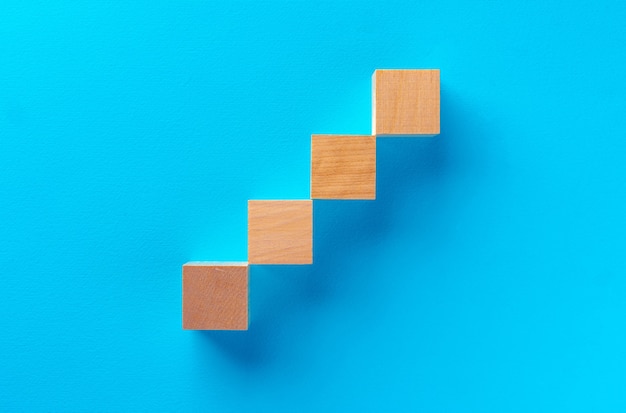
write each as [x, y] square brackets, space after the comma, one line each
[215, 296]
[343, 167]
[280, 232]
[405, 102]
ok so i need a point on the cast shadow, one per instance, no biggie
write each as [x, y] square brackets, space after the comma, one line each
[406, 168]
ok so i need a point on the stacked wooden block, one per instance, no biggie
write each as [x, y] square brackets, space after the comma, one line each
[404, 103]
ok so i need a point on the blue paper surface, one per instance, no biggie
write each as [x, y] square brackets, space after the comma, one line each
[488, 275]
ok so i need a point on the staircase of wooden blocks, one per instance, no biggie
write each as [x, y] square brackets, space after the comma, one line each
[404, 103]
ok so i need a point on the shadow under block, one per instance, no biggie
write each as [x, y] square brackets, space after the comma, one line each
[343, 167]
[280, 232]
[215, 296]
[405, 102]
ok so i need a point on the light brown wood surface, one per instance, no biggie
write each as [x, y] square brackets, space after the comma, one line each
[280, 232]
[343, 167]
[215, 296]
[405, 102]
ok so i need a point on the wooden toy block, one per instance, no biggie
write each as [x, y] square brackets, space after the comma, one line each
[215, 296]
[280, 232]
[343, 167]
[405, 102]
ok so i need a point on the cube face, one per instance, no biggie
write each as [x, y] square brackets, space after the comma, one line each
[405, 102]
[280, 232]
[343, 167]
[215, 296]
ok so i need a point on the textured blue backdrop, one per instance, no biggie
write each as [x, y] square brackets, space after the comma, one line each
[488, 276]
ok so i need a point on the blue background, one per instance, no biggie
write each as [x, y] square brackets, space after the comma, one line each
[488, 276]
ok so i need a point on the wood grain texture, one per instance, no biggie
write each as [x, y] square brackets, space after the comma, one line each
[215, 296]
[405, 102]
[343, 167]
[280, 232]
